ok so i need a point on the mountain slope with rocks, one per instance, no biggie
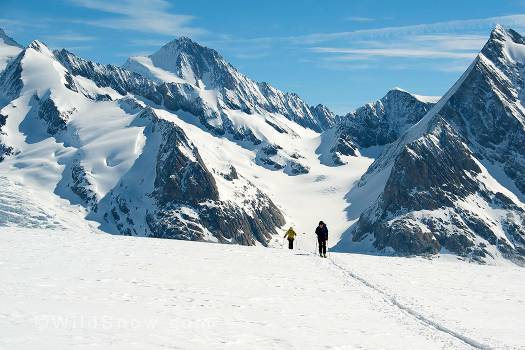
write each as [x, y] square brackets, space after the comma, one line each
[133, 171]
[9, 49]
[221, 87]
[452, 183]
[181, 145]
[141, 156]
[375, 124]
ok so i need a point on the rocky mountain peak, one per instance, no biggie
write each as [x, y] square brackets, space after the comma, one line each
[193, 62]
[8, 40]
[37, 45]
[499, 33]
[504, 47]
[205, 69]
[184, 42]
[376, 124]
[397, 91]
[468, 150]
[186, 46]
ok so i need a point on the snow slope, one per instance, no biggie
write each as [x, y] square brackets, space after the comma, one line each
[475, 301]
[116, 292]
[306, 199]
[83, 132]
[454, 181]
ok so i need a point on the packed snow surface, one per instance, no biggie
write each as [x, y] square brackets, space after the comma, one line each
[80, 289]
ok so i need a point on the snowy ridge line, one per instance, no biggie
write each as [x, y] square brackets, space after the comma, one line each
[417, 315]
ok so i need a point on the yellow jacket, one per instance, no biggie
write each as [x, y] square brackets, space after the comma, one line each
[290, 233]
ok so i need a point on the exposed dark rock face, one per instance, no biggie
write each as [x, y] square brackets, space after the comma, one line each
[181, 174]
[430, 173]
[168, 192]
[377, 124]
[185, 199]
[223, 220]
[325, 117]
[81, 186]
[114, 77]
[5, 151]
[438, 194]
[274, 157]
[385, 120]
[11, 78]
[344, 145]
[8, 40]
[496, 129]
[296, 168]
[56, 121]
[232, 174]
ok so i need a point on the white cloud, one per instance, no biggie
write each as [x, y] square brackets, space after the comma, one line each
[438, 52]
[457, 39]
[435, 46]
[149, 16]
[70, 36]
[359, 19]
[418, 29]
[453, 41]
[392, 52]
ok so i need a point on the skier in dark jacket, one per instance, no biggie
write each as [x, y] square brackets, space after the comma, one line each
[322, 236]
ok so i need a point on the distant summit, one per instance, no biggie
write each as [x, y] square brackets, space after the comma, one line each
[185, 61]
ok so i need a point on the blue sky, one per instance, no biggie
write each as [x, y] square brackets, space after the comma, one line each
[342, 53]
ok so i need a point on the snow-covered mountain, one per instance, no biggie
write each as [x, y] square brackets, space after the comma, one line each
[219, 86]
[153, 157]
[179, 144]
[8, 49]
[72, 128]
[375, 124]
[454, 181]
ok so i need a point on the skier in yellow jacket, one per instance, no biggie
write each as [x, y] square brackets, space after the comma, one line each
[290, 234]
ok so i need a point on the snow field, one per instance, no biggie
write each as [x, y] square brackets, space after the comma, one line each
[76, 289]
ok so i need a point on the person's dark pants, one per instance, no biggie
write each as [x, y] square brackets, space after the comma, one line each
[290, 243]
[322, 246]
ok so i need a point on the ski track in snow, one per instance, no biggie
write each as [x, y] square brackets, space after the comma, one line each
[392, 300]
[211, 292]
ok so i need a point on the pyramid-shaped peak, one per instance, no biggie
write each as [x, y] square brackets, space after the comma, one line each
[498, 29]
[194, 63]
[185, 40]
[37, 45]
[499, 33]
[504, 44]
[184, 44]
